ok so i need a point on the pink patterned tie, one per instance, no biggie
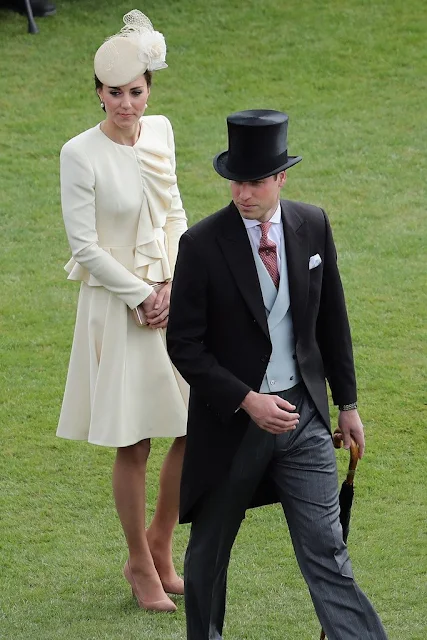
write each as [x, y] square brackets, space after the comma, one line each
[268, 253]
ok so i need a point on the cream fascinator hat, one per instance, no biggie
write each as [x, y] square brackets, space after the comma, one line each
[130, 53]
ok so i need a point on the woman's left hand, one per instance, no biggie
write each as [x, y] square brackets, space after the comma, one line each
[158, 317]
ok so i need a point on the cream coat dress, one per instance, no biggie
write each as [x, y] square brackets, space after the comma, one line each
[123, 216]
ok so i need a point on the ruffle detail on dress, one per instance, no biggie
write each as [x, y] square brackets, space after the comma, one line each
[125, 255]
[77, 272]
[157, 177]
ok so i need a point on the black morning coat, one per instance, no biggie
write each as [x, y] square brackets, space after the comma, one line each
[219, 341]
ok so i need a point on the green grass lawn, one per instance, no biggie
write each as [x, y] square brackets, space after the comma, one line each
[352, 76]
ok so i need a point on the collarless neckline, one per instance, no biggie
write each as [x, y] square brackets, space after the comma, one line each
[119, 144]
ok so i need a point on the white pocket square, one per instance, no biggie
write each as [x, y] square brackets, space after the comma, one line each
[314, 261]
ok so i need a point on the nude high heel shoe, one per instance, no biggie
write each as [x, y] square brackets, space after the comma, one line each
[176, 587]
[165, 605]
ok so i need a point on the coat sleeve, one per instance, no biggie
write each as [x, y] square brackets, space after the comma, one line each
[186, 336]
[333, 329]
[176, 221]
[78, 209]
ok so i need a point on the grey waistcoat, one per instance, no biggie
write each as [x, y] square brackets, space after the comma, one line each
[282, 370]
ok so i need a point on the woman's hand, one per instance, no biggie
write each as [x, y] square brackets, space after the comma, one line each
[148, 304]
[157, 317]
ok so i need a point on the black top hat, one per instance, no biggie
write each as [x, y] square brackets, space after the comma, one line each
[257, 146]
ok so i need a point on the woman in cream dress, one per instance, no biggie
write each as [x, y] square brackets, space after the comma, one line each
[124, 217]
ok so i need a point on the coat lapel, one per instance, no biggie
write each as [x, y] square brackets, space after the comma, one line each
[297, 252]
[237, 252]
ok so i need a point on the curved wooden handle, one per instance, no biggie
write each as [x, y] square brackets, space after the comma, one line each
[354, 454]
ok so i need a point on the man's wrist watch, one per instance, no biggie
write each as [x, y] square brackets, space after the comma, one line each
[347, 407]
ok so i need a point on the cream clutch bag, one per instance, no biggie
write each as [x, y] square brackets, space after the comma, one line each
[138, 313]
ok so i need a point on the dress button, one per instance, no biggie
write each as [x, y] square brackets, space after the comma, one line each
[273, 382]
[291, 378]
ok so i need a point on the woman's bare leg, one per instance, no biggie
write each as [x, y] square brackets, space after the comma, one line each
[160, 532]
[129, 493]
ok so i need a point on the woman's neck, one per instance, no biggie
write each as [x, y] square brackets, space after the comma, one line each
[128, 136]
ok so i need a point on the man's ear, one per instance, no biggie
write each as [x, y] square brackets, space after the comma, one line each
[282, 178]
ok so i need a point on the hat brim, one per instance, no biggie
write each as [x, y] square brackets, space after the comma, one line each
[220, 166]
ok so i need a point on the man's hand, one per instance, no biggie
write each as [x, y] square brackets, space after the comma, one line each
[271, 413]
[157, 317]
[351, 426]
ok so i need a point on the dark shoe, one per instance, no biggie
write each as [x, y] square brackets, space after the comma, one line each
[40, 8]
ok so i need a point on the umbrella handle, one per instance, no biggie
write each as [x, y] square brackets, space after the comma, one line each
[354, 454]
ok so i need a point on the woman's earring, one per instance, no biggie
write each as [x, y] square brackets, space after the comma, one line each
[102, 105]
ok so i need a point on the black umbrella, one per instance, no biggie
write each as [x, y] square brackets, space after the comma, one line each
[347, 490]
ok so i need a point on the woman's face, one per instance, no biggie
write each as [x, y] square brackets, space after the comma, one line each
[125, 105]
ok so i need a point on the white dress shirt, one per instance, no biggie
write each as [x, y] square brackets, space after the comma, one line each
[275, 233]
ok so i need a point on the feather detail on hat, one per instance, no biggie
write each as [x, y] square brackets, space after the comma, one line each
[151, 44]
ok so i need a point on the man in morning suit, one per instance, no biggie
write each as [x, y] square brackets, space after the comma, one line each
[257, 324]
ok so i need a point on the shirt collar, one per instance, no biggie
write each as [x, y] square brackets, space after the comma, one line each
[276, 218]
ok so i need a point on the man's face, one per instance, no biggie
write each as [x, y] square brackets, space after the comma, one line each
[258, 200]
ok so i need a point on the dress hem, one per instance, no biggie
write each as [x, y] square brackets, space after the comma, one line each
[118, 446]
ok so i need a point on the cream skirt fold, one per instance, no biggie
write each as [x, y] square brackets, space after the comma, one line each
[121, 385]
